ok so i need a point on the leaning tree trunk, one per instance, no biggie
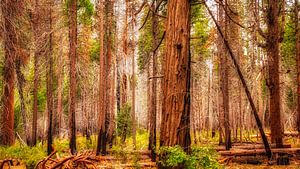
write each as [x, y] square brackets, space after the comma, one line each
[73, 56]
[10, 10]
[175, 125]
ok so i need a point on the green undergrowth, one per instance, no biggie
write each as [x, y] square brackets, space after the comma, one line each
[200, 157]
[29, 155]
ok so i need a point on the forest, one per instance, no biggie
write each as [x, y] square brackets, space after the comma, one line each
[168, 84]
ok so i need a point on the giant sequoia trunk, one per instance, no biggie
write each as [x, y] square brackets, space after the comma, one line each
[273, 63]
[10, 11]
[73, 56]
[175, 126]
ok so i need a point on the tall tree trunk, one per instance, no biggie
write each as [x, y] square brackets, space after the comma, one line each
[148, 99]
[175, 125]
[10, 11]
[153, 104]
[21, 80]
[273, 63]
[50, 82]
[36, 27]
[297, 33]
[73, 57]
[110, 71]
[133, 76]
[101, 145]
[60, 69]
[220, 96]
[207, 117]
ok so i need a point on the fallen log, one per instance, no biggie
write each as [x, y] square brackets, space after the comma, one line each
[133, 165]
[241, 152]
[286, 134]
[251, 146]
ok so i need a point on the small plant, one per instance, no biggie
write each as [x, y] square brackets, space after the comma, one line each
[119, 152]
[202, 157]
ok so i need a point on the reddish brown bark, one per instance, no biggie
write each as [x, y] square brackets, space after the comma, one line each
[50, 81]
[73, 57]
[272, 39]
[60, 74]
[133, 82]
[153, 104]
[224, 67]
[297, 52]
[10, 11]
[175, 126]
[37, 33]
[220, 51]
[101, 145]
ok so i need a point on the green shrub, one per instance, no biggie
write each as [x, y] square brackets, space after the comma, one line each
[200, 157]
[124, 121]
[29, 155]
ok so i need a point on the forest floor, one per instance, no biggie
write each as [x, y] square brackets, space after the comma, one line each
[123, 156]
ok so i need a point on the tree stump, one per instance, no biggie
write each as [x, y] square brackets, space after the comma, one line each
[283, 159]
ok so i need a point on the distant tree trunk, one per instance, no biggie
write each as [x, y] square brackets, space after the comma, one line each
[124, 90]
[73, 57]
[148, 98]
[297, 33]
[21, 80]
[273, 62]
[36, 27]
[10, 11]
[153, 104]
[60, 74]
[175, 125]
[207, 117]
[133, 78]
[220, 53]
[101, 145]
[225, 86]
[50, 82]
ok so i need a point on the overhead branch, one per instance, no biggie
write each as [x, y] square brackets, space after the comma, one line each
[231, 19]
[146, 19]
[155, 12]
[160, 42]
[140, 8]
[156, 77]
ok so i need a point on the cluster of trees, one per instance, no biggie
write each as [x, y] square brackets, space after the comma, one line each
[196, 73]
